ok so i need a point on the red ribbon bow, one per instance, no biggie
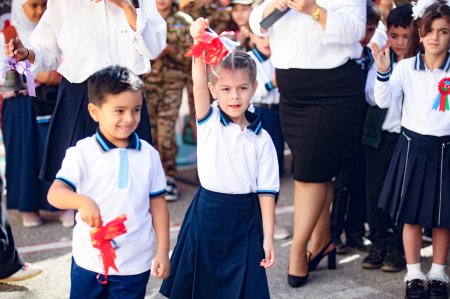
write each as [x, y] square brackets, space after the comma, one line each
[442, 102]
[211, 44]
[102, 238]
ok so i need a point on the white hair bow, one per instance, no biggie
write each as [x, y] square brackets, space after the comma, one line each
[420, 6]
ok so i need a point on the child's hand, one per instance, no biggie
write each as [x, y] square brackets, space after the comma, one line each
[161, 266]
[381, 57]
[16, 50]
[90, 213]
[198, 27]
[269, 251]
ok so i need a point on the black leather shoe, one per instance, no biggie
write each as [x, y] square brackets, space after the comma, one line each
[437, 289]
[375, 258]
[415, 289]
[358, 243]
[297, 281]
[394, 262]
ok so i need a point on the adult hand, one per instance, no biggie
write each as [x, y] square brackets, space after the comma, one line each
[381, 57]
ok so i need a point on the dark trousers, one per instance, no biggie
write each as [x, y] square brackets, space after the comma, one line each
[348, 211]
[10, 259]
[383, 232]
[84, 285]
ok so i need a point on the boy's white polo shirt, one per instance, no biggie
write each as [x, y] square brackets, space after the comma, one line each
[120, 181]
[235, 161]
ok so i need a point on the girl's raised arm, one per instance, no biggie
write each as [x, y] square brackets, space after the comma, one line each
[201, 91]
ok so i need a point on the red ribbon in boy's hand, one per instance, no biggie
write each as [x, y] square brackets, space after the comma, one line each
[101, 239]
[212, 45]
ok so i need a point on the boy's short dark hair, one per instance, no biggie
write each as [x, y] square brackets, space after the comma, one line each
[400, 16]
[234, 61]
[373, 13]
[110, 81]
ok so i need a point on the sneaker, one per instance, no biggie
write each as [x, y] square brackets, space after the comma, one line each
[415, 289]
[394, 262]
[26, 272]
[375, 258]
[67, 218]
[437, 289]
[281, 233]
[31, 219]
[172, 191]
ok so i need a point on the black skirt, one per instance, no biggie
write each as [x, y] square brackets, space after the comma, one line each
[318, 108]
[71, 122]
[219, 250]
[417, 185]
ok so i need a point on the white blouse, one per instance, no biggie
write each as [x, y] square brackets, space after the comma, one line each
[82, 37]
[417, 86]
[297, 41]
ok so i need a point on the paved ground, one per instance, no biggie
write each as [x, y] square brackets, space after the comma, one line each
[49, 247]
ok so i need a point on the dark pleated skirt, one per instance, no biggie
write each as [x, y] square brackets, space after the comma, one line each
[219, 250]
[24, 144]
[71, 122]
[417, 185]
[318, 108]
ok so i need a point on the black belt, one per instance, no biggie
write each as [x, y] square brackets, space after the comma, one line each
[266, 106]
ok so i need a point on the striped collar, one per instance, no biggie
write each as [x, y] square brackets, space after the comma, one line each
[419, 65]
[254, 120]
[261, 57]
[106, 145]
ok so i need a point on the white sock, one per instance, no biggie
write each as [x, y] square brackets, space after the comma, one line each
[414, 272]
[437, 272]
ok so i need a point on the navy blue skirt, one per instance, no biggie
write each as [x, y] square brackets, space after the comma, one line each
[71, 122]
[24, 144]
[417, 185]
[219, 250]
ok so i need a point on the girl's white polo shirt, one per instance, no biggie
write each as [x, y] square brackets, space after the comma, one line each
[120, 181]
[235, 161]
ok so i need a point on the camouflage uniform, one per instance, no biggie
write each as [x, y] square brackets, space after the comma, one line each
[218, 15]
[164, 87]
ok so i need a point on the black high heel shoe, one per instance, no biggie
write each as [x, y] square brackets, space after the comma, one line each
[297, 281]
[312, 264]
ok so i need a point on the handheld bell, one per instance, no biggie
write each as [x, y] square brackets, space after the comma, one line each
[13, 82]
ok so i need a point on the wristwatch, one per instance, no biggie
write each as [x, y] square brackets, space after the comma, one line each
[316, 14]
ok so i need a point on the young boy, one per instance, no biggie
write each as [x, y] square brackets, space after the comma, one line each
[105, 176]
[381, 132]
[266, 100]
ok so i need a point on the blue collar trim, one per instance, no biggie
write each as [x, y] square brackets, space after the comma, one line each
[419, 65]
[254, 120]
[261, 57]
[106, 145]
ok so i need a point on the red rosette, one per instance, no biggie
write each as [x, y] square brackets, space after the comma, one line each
[442, 102]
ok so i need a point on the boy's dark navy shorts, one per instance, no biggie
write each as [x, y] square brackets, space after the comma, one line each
[84, 285]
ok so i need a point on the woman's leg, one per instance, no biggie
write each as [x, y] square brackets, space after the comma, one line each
[309, 202]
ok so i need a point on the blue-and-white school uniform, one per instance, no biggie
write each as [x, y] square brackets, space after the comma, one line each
[219, 247]
[120, 181]
[417, 185]
[79, 38]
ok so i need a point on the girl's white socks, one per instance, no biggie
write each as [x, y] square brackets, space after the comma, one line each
[414, 272]
[437, 272]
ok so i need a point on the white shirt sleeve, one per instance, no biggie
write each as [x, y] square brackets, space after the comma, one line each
[370, 84]
[44, 41]
[151, 29]
[158, 179]
[346, 22]
[389, 90]
[256, 17]
[71, 172]
[268, 180]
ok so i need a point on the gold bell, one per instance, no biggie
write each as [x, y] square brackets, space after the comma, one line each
[13, 82]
